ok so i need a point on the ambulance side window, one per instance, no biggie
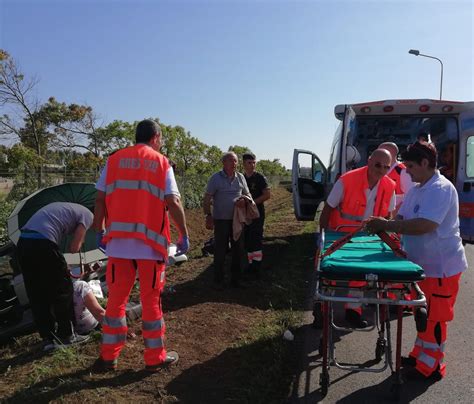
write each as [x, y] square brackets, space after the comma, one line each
[470, 157]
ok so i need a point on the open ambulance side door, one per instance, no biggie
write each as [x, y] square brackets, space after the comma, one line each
[465, 176]
[309, 178]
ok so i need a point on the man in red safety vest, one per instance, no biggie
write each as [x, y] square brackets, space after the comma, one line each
[135, 192]
[429, 224]
[357, 195]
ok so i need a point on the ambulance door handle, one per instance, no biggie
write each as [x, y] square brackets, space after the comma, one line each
[466, 187]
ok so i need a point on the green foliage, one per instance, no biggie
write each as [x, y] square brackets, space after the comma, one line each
[6, 208]
[239, 150]
[116, 135]
[271, 168]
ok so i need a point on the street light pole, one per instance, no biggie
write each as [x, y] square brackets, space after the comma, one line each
[417, 53]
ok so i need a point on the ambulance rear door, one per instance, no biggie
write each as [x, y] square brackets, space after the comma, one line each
[309, 180]
[465, 177]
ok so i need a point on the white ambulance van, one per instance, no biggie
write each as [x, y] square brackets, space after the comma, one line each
[449, 124]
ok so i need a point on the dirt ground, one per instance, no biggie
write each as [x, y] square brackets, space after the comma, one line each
[229, 341]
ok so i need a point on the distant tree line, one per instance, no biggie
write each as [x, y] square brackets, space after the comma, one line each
[51, 142]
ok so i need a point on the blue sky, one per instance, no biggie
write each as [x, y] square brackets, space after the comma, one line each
[262, 74]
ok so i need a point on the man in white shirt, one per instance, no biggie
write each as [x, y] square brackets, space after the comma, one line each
[429, 224]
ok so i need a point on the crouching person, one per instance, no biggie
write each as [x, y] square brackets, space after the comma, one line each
[47, 280]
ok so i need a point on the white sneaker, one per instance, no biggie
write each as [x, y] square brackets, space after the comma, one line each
[74, 339]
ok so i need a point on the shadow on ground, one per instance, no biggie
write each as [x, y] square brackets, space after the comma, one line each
[284, 272]
[237, 375]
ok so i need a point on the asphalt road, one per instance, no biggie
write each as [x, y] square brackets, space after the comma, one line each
[361, 387]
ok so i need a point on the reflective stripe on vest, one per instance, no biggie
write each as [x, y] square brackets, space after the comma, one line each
[350, 217]
[153, 325]
[153, 342]
[113, 338]
[115, 322]
[132, 184]
[138, 228]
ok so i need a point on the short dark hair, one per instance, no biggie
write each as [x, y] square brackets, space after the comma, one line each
[145, 131]
[248, 156]
[421, 150]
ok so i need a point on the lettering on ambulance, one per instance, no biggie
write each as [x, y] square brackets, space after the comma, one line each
[406, 102]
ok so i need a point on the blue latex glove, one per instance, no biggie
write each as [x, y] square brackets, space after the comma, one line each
[182, 245]
[98, 239]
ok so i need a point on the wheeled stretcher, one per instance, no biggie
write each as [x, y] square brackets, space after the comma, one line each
[388, 280]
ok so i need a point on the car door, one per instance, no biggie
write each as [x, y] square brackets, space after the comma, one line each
[309, 179]
[465, 177]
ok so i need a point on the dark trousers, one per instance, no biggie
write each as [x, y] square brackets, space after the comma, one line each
[222, 236]
[254, 235]
[48, 286]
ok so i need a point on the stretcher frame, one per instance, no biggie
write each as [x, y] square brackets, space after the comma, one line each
[375, 292]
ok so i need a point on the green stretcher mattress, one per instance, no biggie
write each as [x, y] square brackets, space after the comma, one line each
[365, 256]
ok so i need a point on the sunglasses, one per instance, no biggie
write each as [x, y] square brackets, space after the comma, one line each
[380, 165]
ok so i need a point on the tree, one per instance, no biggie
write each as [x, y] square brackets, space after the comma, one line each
[23, 160]
[16, 97]
[239, 150]
[271, 168]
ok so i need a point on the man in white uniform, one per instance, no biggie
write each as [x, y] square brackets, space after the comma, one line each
[429, 224]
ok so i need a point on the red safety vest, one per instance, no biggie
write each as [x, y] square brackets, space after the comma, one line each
[135, 197]
[352, 208]
[395, 176]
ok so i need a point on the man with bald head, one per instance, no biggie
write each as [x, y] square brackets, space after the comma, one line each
[356, 196]
[397, 173]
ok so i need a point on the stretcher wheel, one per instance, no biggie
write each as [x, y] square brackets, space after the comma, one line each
[421, 319]
[324, 382]
[318, 316]
[380, 349]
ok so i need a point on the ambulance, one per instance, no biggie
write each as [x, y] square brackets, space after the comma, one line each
[448, 124]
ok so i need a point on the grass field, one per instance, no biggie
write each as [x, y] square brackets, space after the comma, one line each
[230, 342]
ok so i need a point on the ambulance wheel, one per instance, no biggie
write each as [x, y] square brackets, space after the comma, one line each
[324, 382]
[318, 316]
[380, 349]
[421, 319]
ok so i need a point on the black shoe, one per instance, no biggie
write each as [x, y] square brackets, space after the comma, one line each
[355, 319]
[172, 358]
[102, 366]
[408, 361]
